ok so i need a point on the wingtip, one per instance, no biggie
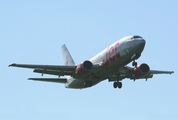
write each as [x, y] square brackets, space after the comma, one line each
[13, 64]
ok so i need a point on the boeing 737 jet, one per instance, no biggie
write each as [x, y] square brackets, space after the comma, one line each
[109, 64]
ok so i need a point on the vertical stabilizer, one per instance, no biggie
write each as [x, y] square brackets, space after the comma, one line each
[67, 57]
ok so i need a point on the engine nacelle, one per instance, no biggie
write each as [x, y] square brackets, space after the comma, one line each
[83, 68]
[141, 71]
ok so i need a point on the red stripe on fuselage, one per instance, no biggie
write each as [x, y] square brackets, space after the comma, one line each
[111, 54]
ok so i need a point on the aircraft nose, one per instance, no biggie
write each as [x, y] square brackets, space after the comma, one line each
[140, 45]
[142, 42]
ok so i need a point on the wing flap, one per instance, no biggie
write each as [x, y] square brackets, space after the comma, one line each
[56, 80]
[52, 72]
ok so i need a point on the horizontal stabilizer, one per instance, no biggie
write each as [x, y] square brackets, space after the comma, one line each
[57, 80]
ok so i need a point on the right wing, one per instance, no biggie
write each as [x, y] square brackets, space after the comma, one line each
[59, 70]
[127, 72]
[152, 72]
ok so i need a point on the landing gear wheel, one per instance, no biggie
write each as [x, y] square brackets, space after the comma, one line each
[134, 63]
[117, 85]
[135, 57]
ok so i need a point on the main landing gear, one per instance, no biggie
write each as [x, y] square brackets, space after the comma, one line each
[117, 84]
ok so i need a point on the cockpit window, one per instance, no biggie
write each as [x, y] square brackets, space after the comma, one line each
[136, 36]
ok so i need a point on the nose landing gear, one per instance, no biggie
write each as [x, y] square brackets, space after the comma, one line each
[134, 63]
[133, 58]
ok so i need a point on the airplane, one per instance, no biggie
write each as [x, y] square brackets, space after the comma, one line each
[111, 64]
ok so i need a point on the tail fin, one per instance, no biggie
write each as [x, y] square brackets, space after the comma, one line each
[67, 57]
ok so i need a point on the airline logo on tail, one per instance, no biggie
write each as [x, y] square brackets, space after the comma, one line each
[67, 57]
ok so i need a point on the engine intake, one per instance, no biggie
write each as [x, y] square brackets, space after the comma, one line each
[84, 68]
[141, 71]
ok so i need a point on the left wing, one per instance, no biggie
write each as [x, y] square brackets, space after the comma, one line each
[57, 80]
[59, 70]
[127, 72]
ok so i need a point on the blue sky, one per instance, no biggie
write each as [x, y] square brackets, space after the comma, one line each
[33, 32]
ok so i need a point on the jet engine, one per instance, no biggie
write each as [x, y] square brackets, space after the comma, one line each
[83, 68]
[140, 71]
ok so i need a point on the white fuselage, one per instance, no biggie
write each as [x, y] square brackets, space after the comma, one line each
[112, 59]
